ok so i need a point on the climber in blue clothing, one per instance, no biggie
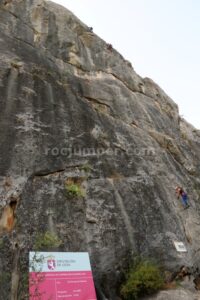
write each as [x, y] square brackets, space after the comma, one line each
[180, 192]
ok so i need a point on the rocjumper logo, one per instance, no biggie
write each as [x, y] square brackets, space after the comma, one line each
[51, 264]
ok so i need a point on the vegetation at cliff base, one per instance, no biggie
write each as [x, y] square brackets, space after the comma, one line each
[143, 278]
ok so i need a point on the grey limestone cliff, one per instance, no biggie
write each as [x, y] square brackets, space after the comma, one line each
[75, 112]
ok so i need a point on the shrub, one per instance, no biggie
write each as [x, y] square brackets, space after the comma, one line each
[74, 190]
[86, 168]
[143, 279]
[46, 241]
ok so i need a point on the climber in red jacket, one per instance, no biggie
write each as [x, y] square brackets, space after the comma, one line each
[180, 192]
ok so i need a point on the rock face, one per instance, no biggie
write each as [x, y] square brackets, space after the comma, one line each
[74, 113]
[179, 294]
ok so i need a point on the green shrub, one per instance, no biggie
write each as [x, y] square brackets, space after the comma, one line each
[143, 279]
[46, 241]
[86, 168]
[74, 190]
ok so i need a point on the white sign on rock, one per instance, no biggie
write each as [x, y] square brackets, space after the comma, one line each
[180, 247]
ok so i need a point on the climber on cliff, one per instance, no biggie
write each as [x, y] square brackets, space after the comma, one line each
[180, 192]
[109, 47]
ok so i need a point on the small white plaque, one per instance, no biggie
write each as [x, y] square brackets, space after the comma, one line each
[180, 247]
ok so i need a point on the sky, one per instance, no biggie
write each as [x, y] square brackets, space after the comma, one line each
[161, 38]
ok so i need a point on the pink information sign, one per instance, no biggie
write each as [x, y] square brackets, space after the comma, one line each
[60, 276]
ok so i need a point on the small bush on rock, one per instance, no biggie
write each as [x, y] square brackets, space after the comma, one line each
[74, 190]
[143, 279]
[46, 241]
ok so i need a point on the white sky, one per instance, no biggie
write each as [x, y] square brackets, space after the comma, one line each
[160, 37]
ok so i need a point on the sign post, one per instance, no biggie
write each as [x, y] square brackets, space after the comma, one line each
[60, 276]
[180, 247]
